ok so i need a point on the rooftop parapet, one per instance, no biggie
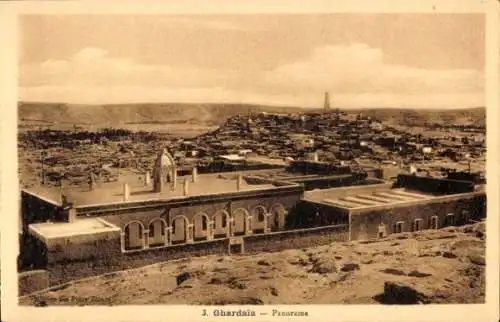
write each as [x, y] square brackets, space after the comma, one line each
[130, 189]
[436, 186]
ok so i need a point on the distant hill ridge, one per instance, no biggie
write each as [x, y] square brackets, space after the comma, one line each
[216, 114]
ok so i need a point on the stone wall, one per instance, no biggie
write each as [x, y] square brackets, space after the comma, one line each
[32, 253]
[223, 166]
[375, 173]
[148, 205]
[104, 256]
[32, 281]
[248, 204]
[77, 248]
[108, 258]
[295, 239]
[82, 257]
[309, 167]
[308, 214]
[191, 214]
[332, 181]
[365, 223]
[35, 209]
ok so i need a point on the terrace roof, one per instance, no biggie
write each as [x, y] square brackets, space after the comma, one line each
[87, 226]
[112, 192]
[356, 199]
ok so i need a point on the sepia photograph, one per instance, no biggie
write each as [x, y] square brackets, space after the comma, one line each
[228, 160]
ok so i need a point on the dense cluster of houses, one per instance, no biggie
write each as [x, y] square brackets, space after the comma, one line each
[335, 137]
[267, 138]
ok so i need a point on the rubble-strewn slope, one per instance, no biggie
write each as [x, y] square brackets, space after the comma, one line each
[445, 266]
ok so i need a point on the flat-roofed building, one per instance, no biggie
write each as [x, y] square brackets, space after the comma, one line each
[74, 232]
[411, 204]
[137, 214]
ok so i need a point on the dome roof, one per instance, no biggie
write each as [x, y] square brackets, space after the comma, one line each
[165, 159]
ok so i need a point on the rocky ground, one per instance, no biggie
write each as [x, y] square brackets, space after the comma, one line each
[445, 266]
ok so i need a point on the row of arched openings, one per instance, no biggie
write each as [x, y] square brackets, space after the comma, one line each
[243, 222]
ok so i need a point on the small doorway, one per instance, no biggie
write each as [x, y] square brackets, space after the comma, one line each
[399, 227]
[382, 232]
[450, 220]
[434, 222]
[417, 225]
[466, 217]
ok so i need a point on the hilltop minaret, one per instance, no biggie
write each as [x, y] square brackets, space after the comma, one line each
[327, 101]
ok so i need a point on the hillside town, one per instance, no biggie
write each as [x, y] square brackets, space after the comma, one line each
[259, 158]
[256, 140]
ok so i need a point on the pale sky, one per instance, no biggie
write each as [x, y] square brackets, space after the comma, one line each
[362, 60]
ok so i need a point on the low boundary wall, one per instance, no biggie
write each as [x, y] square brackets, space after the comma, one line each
[111, 260]
[62, 272]
[302, 238]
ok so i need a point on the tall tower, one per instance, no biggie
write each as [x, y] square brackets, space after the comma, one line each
[327, 101]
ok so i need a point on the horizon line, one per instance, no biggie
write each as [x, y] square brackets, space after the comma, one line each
[332, 107]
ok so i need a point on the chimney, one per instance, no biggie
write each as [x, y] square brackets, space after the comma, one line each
[71, 214]
[195, 174]
[239, 182]
[147, 178]
[186, 187]
[91, 182]
[174, 179]
[126, 192]
[99, 179]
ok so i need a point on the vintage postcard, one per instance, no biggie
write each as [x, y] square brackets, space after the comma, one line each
[264, 161]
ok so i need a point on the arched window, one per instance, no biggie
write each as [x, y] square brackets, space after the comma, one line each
[276, 221]
[157, 233]
[277, 214]
[179, 231]
[200, 227]
[134, 238]
[258, 220]
[220, 224]
[260, 212]
[156, 228]
[127, 236]
[239, 221]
